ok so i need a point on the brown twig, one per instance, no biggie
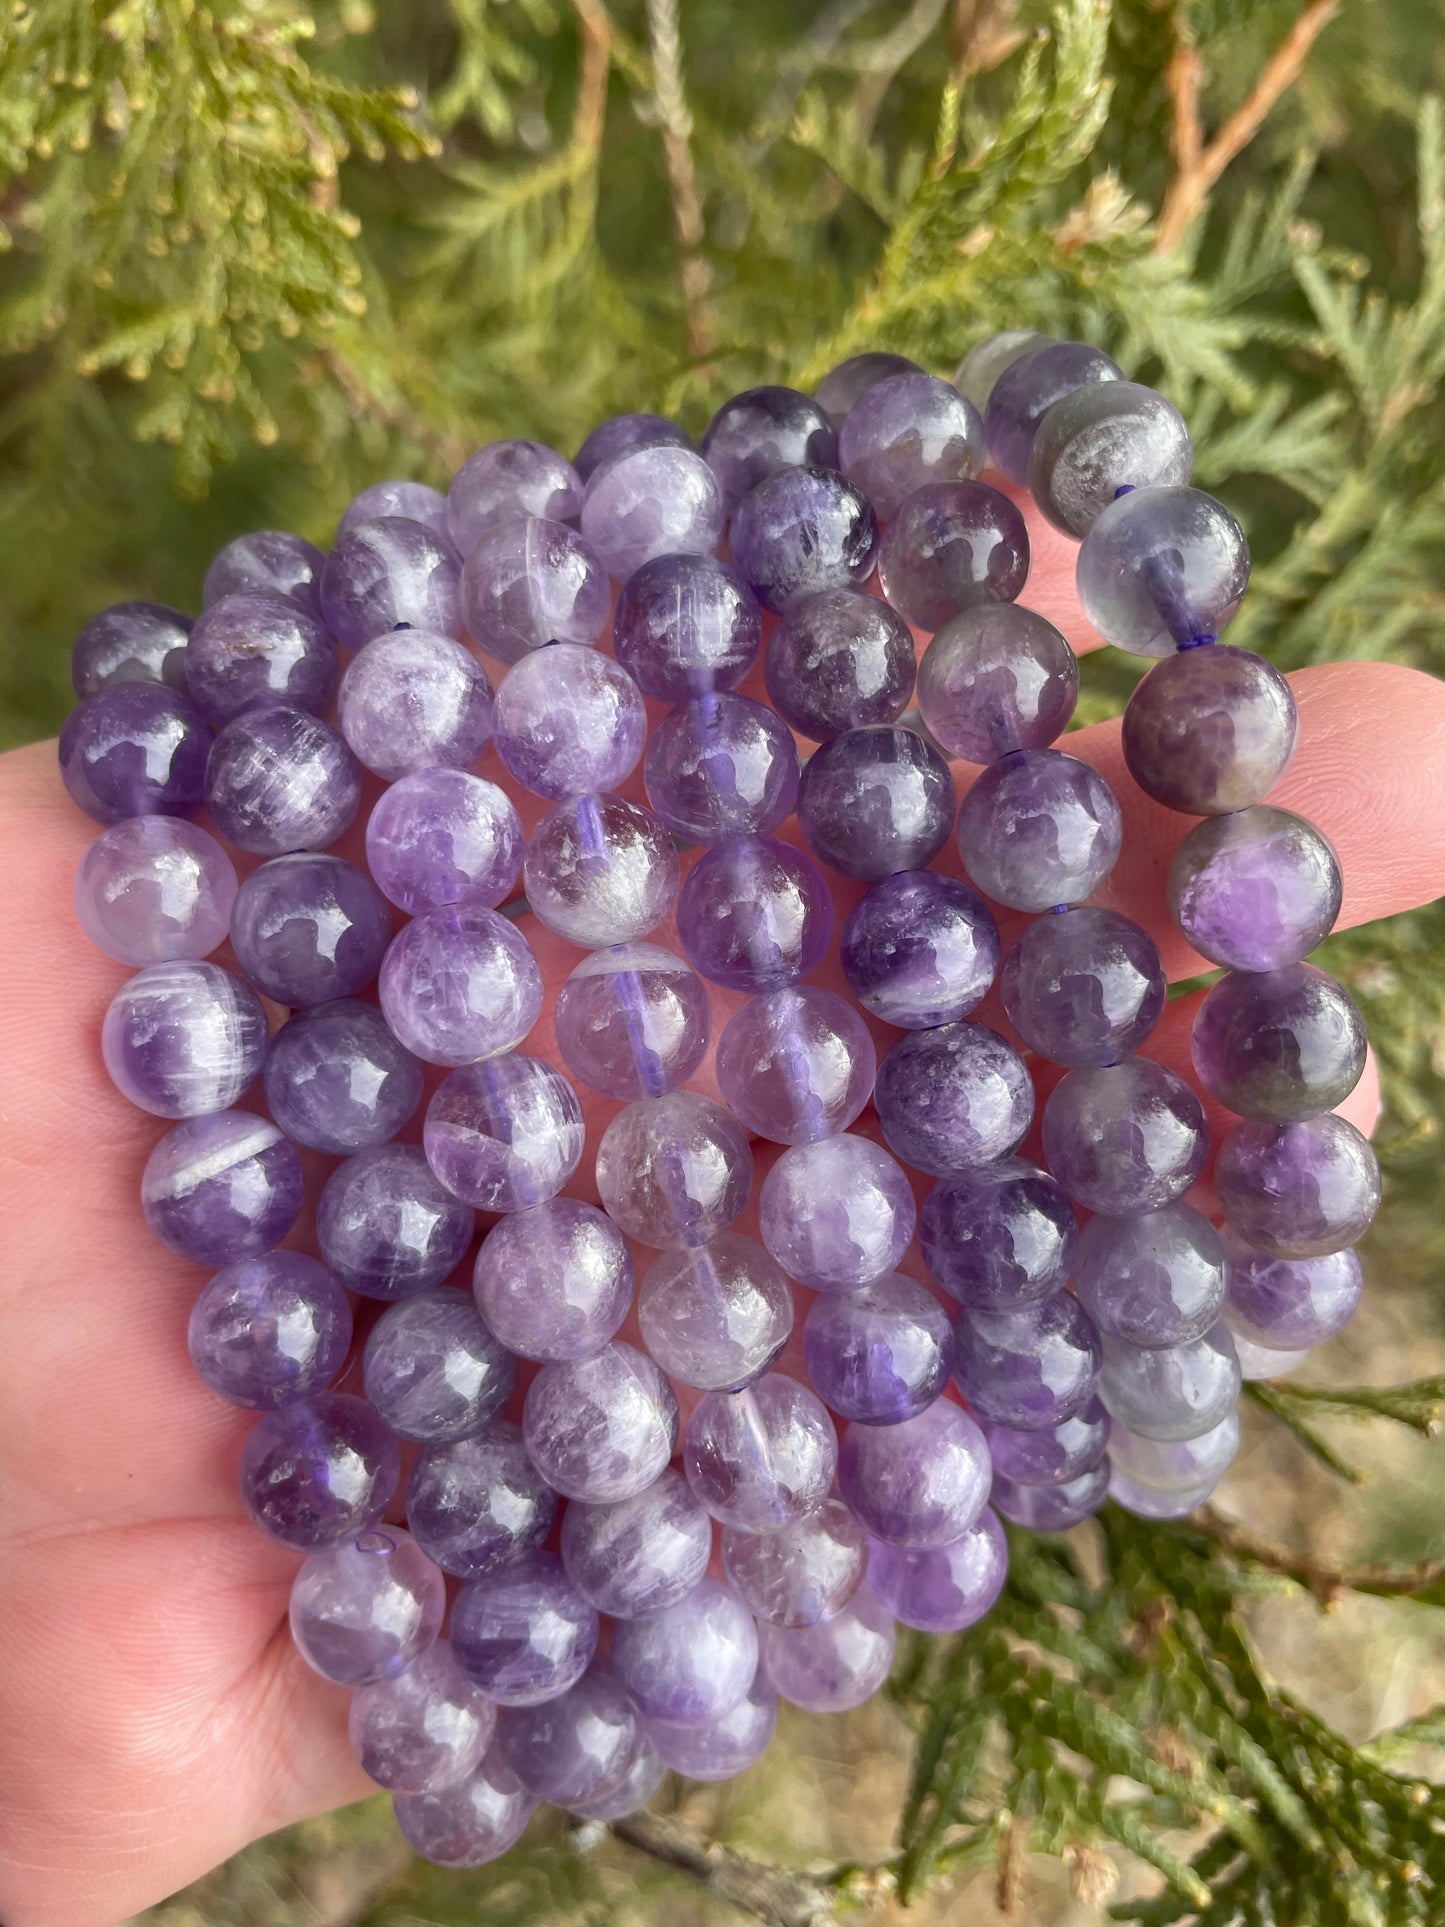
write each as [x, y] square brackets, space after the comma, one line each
[1327, 1583]
[1198, 164]
[769, 1894]
[589, 116]
[675, 121]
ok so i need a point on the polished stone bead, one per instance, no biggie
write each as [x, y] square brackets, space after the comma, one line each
[280, 780]
[1086, 987]
[576, 1748]
[1038, 829]
[130, 642]
[508, 478]
[674, 1170]
[433, 1370]
[424, 1731]
[1210, 730]
[942, 1589]
[267, 1331]
[920, 1482]
[460, 984]
[692, 1662]
[415, 501]
[362, 1611]
[1052, 1508]
[952, 546]
[721, 766]
[319, 1470]
[621, 432]
[880, 1354]
[986, 360]
[835, 1666]
[221, 1187]
[155, 889]
[761, 431]
[875, 801]
[181, 1039]
[795, 1065]
[135, 749]
[505, 1134]
[763, 1458]
[1263, 1361]
[636, 1789]
[636, 1556]
[1031, 1368]
[801, 530]
[722, 1748]
[471, 1823]
[844, 386]
[1173, 1391]
[600, 1428]
[1177, 1465]
[836, 1214]
[412, 700]
[905, 432]
[1051, 1454]
[1099, 441]
[995, 679]
[1279, 1045]
[649, 501]
[478, 1503]
[307, 929]
[716, 1315]
[568, 720]
[600, 870]
[555, 1281]
[754, 914]
[387, 574]
[686, 625]
[1256, 889]
[1156, 1278]
[1145, 1503]
[530, 581]
[444, 836]
[1124, 1137]
[953, 1097]
[840, 659]
[802, 1575]
[1160, 568]
[1290, 1304]
[1300, 1190]
[998, 1236]
[1027, 388]
[337, 1080]
[267, 561]
[247, 651]
[919, 949]
[524, 1634]
[632, 1021]
[387, 1226]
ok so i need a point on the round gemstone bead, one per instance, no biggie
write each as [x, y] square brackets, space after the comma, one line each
[130, 642]
[569, 721]
[761, 431]
[836, 1214]
[953, 1097]
[280, 780]
[636, 1556]
[364, 1610]
[460, 984]
[692, 1662]
[720, 1749]
[763, 1458]
[414, 699]
[479, 1503]
[530, 581]
[337, 1080]
[905, 432]
[1256, 889]
[307, 929]
[505, 1134]
[387, 1226]
[319, 1471]
[155, 889]
[801, 530]
[135, 749]
[414, 501]
[686, 625]
[1145, 1503]
[942, 1589]
[633, 1021]
[1300, 1190]
[1210, 730]
[795, 1065]
[875, 801]
[555, 1281]
[1027, 388]
[1176, 1465]
[1262, 1361]
[999, 1236]
[432, 1369]
[444, 836]
[996, 679]
[842, 387]
[1279, 1045]
[716, 1315]
[1031, 1368]
[577, 1747]
[721, 766]
[621, 432]
[1154, 1279]
[387, 574]
[1086, 987]
[986, 360]
[1052, 1508]
[754, 914]
[221, 1187]
[952, 546]
[600, 1428]
[250, 650]
[1162, 567]
[424, 1731]
[835, 1666]
[880, 1354]
[267, 1331]
[919, 949]
[524, 1634]
[840, 659]
[1052, 1454]
[1039, 829]
[269, 561]
[1290, 1304]
[636, 1789]
[469, 1824]
[653, 500]
[920, 1482]
[1125, 1137]
[181, 1039]
[674, 1170]
[1100, 440]
[1171, 1391]
[507, 478]
[600, 870]
[802, 1575]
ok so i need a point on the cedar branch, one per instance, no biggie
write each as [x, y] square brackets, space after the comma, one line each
[1327, 1583]
[769, 1894]
[675, 121]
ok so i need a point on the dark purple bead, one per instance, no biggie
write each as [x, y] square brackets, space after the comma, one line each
[875, 801]
[951, 546]
[131, 642]
[247, 651]
[1290, 1304]
[838, 660]
[801, 530]
[135, 749]
[1256, 889]
[754, 914]
[1000, 1236]
[880, 1354]
[844, 386]
[479, 1502]
[1153, 1279]
[387, 1226]
[524, 1634]
[995, 679]
[1054, 1454]
[920, 949]
[720, 766]
[266, 1331]
[1030, 1368]
[905, 432]
[1126, 1137]
[390, 573]
[686, 625]
[1052, 1508]
[942, 1589]
[222, 1187]
[1210, 730]
[1086, 987]
[1038, 829]
[280, 780]
[1279, 1044]
[182, 1039]
[433, 1370]
[1298, 1190]
[953, 1097]
[307, 929]
[338, 1081]
[1028, 388]
[319, 1471]
[761, 431]
[273, 561]
[621, 432]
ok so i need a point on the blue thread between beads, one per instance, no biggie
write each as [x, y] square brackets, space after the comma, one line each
[1124, 488]
[1060, 910]
[1198, 642]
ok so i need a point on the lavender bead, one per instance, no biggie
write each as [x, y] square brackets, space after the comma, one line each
[802, 1575]
[1256, 889]
[795, 1065]
[460, 984]
[715, 1316]
[621, 432]
[319, 1471]
[876, 801]
[130, 642]
[953, 1097]
[600, 1428]
[833, 1667]
[942, 1589]
[996, 679]
[432, 1369]
[280, 780]
[645, 1774]
[1290, 1304]
[905, 432]
[844, 386]
[554, 1282]
[801, 530]
[1178, 1465]
[1024, 392]
[472, 1823]
[725, 1747]
[507, 478]
[524, 1634]
[1030, 1368]
[952, 546]
[505, 1134]
[414, 699]
[761, 431]
[1279, 1045]
[632, 1021]
[424, 1731]
[921, 1482]
[1052, 1508]
[600, 870]
[337, 1080]
[530, 581]
[387, 1226]
[836, 1214]
[1086, 987]
[479, 1502]
[880, 1354]
[754, 914]
[763, 1458]
[1173, 1391]
[1053, 1454]
[364, 1610]
[686, 625]
[920, 949]
[1039, 829]
[1100, 441]
[568, 721]
[307, 929]
[181, 1039]
[721, 766]
[999, 1236]
[1127, 1137]
[267, 1331]
[414, 501]
[135, 749]
[1145, 1503]
[692, 1662]
[1160, 568]
[636, 1556]
[155, 889]
[1210, 730]
[267, 561]
[222, 1187]
[651, 501]
[986, 360]
[1300, 1190]
[390, 574]
[1263, 1361]
[250, 650]
[444, 836]
[674, 1170]
[1154, 1279]
[577, 1747]
[839, 660]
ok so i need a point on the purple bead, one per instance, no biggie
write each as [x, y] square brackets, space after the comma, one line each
[1210, 730]
[1125, 1137]
[880, 1354]
[247, 651]
[722, 1748]
[135, 749]
[953, 1097]
[999, 1236]
[1256, 889]
[840, 659]
[267, 561]
[280, 780]
[432, 1369]
[424, 1731]
[319, 1471]
[920, 949]
[364, 1610]
[802, 1575]
[1053, 1454]
[1052, 1508]
[1300, 1190]
[267, 1331]
[1178, 1465]
[412, 700]
[337, 1080]
[636, 1556]
[802, 530]
[843, 387]
[530, 581]
[764, 430]
[717, 1315]
[1039, 829]
[952, 546]
[763, 1458]
[875, 801]
[905, 432]
[524, 1634]
[568, 721]
[414, 501]
[721, 766]
[996, 679]
[1030, 1368]
[621, 432]
[692, 1662]
[1290, 1304]
[130, 642]
[1171, 1391]
[1099, 442]
[1154, 1279]
[508, 478]
[155, 889]
[222, 1187]
[636, 1789]
[181, 1039]
[674, 1170]
[307, 929]
[577, 1747]
[1086, 987]
[469, 1824]
[600, 1428]
[1160, 568]
[632, 1021]
[1279, 1045]
[836, 1214]
[600, 870]
[387, 1226]
[387, 574]
[795, 1065]
[444, 836]
[754, 914]
[986, 360]
[554, 1282]
[942, 1589]
[686, 625]
[1145, 1503]
[505, 1134]
[460, 984]
[479, 1502]
[648, 501]
[921, 1482]
[833, 1667]
[1027, 389]
[1262, 1361]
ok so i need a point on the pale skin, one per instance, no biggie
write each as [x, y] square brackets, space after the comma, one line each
[154, 1715]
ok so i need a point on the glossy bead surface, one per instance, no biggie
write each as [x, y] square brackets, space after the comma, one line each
[271, 561]
[524, 1634]
[530, 581]
[413, 699]
[1127, 1137]
[801, 530]
[181, 1039]
[998, 1236]
[1050, 1454]
[995, 679]
[653, 500]
[1298, 1190]
[692, 1662]
[130, 642]
[952, 546]
[840, 659]
[803, 1574]
[337, 1080]
[1174, 1391]
[387, 1226]
[620, 432]
[986, 360]
[1027, 388]
[722, 1748]
[1279, 1045]
[1086, 987]
[555, 1281]
[632, 1021]
[795, 1065]
[754, 914]
[362, 1611]
[1210, 730]
[953, 1097]
[444, 836]
[432, 1369]
[761, 431]
[1156, 1278]
[762, 1458]
[250, 650]
[1256, 889]
[942, 1589]
[1145, 1503]
[577, 1747]
[479, 1502]
[1263, 1361]
[1160, 568]
[471, 1823]
[319, 1471]
[836, 1214]
[1038, 829]
[415, 501]
[600, 870]
[835, 1666]
[307, 929]
[1102, 438]
[135, 749]
[686, 625]
[460, 984]
[155, 889]
[568, 721]
[1030, 1368]
[880, 1354]
[390, 573]
[505, 1134]
[636, 1556]
[906, 431]
[507, 478]
[844, 385]
[1174, 1465]
[721, 766]
[221, 1187]
[875, 801]
[674, 1170]
[1290, 1304]
[1052, 1508]
[424, 1731]
[919, 949]
[715, 1316]
[921, 1482]
[266, 1331]
[637, 1788]
[279, 780]
[600, 1428]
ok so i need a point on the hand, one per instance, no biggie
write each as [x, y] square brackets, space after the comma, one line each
[154, 1716]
